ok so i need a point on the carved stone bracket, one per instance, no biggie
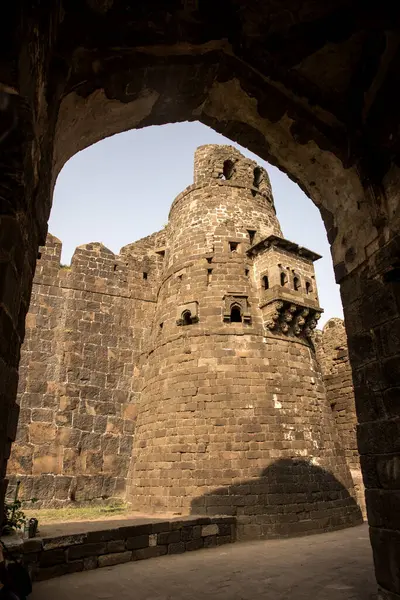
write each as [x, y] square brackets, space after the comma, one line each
[290, 318]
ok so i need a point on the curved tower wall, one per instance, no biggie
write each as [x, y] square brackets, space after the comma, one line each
[233, 417]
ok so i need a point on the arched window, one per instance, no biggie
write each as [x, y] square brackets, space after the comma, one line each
[265, 282]
[257, 177]
[283, 279]
[296, 283]
[308, 287]
[228, 169]
[236, 314]
[186, 317]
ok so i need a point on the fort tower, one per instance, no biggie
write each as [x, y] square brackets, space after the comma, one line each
[232, 416]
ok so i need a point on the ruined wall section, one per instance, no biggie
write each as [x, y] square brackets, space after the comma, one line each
[85, 329]
[333, 356]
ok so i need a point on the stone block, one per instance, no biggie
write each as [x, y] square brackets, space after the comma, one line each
[88, 487]
[136, 530]
[43, 415]
[89, 563]
[169, 537]
[57, 570]
[224, 539]
[43, 487]
[386, 551]
[160, 527]
[225, 529]
[32, 545]
[116, 546]
[21, 460]
[84, 550]
[62, 487]
[139, 541]
[107, 560]
[48, 558]
[104, 536]
[176, 548]
[64, 541]
[210, 541]
[68, 437]
[211, 529]
[150, 552]
[194, 544]
[83, 422]
[40, 432]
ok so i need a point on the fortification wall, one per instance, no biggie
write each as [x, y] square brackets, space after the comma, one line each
[86, 327]
[333, 356]
[181, 374]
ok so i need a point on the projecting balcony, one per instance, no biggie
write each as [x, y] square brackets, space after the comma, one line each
[289, 312]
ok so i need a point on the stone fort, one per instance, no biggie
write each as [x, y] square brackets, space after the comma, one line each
[186, 375]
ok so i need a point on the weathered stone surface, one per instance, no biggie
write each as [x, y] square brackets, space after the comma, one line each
[176, 548]
[169, 537]
[310, 89]
[49, 558]
[209, 530]
[228, 398]
[107, 560]
[140, 541]
[333, 356]
[116, 546]
[151, 552]
[233, 417]
[84, 550]
[64, 541]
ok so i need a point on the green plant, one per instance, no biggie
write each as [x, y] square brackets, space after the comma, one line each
[14, 516]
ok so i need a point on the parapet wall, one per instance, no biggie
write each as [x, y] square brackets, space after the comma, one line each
[77, 392]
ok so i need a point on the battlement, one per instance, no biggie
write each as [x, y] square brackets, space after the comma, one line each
[137, 263]
[225, 163]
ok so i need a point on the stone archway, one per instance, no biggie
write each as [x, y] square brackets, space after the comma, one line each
[308, 90]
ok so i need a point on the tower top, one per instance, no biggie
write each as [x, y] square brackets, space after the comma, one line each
[225, 163]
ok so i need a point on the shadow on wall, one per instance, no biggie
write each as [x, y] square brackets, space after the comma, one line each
[291, 497]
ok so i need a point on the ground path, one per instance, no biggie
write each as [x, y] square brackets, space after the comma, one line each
[331, 566]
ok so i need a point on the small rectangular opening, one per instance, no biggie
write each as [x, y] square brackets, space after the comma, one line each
[144, 275]
[234, 246]
[209, 260]
[246, 272]
[265, 282]
[252, 235]
[209, 276]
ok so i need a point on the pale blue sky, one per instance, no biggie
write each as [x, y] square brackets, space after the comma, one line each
[121, 189]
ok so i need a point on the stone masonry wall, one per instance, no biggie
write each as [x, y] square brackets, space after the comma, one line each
[85, 329]
[138, 381]
[233, 417]
[333, 356]
[49, 557]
